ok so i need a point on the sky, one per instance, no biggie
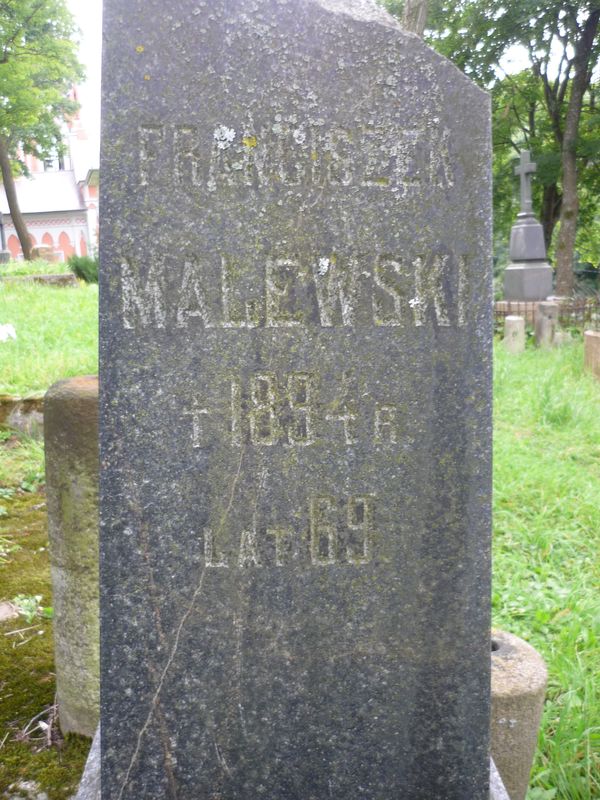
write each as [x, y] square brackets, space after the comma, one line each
[88, 17]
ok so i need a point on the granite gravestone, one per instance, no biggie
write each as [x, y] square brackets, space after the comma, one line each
[295, 405]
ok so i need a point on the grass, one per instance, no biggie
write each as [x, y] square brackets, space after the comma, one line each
[37, 267]
[21, 461]
[546, 535]
[546, 545]
[57, 335]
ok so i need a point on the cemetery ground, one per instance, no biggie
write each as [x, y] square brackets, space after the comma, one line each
[546, 543]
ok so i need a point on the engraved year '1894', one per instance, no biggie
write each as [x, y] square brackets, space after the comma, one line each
[270, 410]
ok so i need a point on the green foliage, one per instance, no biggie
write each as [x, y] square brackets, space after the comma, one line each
[21, 464]
[38, 66]
[529, 109]
[28, 606]
[85, 267]
[57, 335]
[7, 546]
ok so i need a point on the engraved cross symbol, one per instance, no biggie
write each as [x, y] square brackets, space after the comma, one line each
[525, 170]
[196, 413]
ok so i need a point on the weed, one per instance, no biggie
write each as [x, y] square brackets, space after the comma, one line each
[85, 267]
[7, 546]
[27, 606]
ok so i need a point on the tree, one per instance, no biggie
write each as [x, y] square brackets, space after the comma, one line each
[38, 65]
[563, 45]
[414, 17]
[550, 108]
[412, 13]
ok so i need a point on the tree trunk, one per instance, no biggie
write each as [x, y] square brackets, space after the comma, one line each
[565, 247]
[415, 16]
[550, 214]
[13, 202]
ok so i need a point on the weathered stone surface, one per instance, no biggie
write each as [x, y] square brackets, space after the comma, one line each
[519, 678]
[71, 445]
[514, 334]
[592, 352]
[295, 577]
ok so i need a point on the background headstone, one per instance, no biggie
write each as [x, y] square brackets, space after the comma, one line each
[529, 275]
[592, 352]
[514, 334]
[546, 323]
[295, 400]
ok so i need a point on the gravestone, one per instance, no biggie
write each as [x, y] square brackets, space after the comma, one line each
[529, 275]
[295, 407]
[546, 323]
[514, 334]
[591, 349]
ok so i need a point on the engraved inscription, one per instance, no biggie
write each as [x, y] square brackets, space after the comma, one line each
[386, 424]
[297, 154]
[292, 410]
[333, 290]
[151, 140]
[339, 532]
[264, 423]
[300, 396]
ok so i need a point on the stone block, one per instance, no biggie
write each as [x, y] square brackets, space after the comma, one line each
[527, 281]
[546, 323]
[89, 787]
[71, 444]
[527, 240]
[514, 334]
[519, 678]
[591, 342]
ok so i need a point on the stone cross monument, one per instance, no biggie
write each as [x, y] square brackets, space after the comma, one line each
[525, 170]
[295, 407]
[528, 276]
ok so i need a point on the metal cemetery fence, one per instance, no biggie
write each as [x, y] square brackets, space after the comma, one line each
[582, 313]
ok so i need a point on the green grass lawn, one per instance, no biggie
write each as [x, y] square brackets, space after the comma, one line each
[546, 523]
[37, 267]
[546, 546]
[57, 335]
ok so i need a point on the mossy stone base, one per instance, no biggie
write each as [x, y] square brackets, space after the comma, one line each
[71, 437]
